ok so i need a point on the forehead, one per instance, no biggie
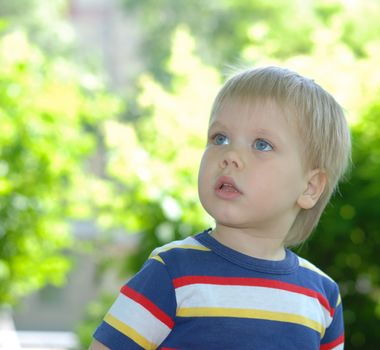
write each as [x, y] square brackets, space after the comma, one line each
[244, 110]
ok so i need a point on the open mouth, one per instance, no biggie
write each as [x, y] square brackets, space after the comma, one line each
[227, 185]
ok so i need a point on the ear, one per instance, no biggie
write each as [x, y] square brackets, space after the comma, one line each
[316, 183]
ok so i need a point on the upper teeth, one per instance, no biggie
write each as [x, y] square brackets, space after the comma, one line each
[228, 185]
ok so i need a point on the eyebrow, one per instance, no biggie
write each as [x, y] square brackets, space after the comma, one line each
[216, 124]
[261, 131]
[267, 132]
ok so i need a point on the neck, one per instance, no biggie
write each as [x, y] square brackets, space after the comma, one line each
[250, 243]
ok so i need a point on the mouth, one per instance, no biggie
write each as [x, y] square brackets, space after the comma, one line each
[226, 185]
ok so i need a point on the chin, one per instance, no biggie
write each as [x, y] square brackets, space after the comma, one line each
[229, 224]
[228, 221]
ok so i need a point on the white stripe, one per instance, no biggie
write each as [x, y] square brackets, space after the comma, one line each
[251, 297]
[140, 319]
[339, 347]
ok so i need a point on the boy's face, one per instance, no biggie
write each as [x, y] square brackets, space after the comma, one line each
[251, 175]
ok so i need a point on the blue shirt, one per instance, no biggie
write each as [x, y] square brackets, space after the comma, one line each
[199, 294]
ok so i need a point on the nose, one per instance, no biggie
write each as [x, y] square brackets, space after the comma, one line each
[231, 159]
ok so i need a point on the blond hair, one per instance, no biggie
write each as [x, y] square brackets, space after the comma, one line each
[319, 120]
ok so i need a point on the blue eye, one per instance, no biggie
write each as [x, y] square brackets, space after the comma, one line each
[262, 145]
[220, 139]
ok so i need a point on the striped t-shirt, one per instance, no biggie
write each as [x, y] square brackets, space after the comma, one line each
[199, 294]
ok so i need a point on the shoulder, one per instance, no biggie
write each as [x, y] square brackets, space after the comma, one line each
[305, 264]
[320, 281]
[186, 246]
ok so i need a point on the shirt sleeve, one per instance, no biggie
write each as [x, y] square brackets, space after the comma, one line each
[143, 314]
[333, 338]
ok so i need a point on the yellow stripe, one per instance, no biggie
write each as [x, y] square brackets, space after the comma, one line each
[311, 267]
[339, 301]
[129, 332]
[158, 258]
[185, 246]
[251, 313]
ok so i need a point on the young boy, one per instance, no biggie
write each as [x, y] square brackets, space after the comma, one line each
[277, 146]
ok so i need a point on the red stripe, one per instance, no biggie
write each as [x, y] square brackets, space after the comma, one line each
[333, 344]
[147, 304]
[256, 282]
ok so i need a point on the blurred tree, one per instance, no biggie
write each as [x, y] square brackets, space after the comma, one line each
[49, 109]
[43, 22]
[225, 30]
[154, 159]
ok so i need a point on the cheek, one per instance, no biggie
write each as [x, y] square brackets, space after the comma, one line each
[202, 189]
[205, 164]
[274, 182]
[205, 179]
[202, 173]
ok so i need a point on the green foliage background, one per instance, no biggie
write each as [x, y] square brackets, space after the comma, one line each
[49, 111]
[55, 113]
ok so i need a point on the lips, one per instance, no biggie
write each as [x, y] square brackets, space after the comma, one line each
[226, 188]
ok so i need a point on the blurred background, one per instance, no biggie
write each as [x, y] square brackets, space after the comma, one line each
[103, 112]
